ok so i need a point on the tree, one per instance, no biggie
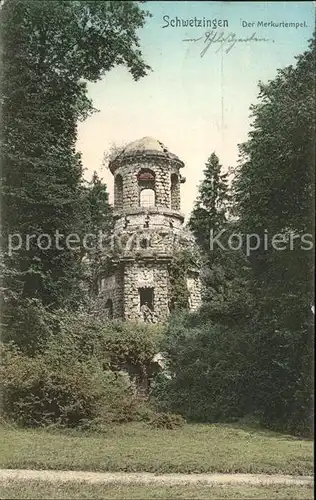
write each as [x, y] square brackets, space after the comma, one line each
[49, 49]
[113, 151]
[210, 365]
[96, 229]
[210, 209]
[224, 271]
[98, 208]
[251, 353]
[274, 195]
[182, 262]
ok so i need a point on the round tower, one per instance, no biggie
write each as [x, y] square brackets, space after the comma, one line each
[148, 230]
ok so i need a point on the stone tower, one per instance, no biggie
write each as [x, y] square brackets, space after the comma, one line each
[148, 230]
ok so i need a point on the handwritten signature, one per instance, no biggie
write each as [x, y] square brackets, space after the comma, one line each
[229, 41]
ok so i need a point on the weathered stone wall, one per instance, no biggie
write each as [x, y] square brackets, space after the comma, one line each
[141, 242]
[144, 271]
[147, 242]
[112, 287]
[140, 218]
[145, 275]
[194, 288]
[161, 168]
[175, 190]
[147, 237]
[118, 192]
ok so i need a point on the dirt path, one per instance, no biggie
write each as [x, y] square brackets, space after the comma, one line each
[150, 478]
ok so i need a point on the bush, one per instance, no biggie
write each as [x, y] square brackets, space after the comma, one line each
[132, 344]
[45, 390]
[118, 345]
[210, 366]
[121, 344]
[145, 412]
[167, 421]
[28, 324]
[84, 372]
[223, 372]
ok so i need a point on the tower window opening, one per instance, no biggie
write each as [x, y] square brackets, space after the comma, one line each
[146, 187]
[118, 192]
[147, 198]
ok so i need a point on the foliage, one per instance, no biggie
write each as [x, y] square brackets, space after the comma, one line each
[219, 370]
[211, 370]
[224, 272]
[249, 350]
[273, 192]
[280, 150]
[209, 353]
[96, 225]
[49, 50]
[99, 210]
[166, 421]
[211, 206]
[28, 325]
[72, 369]
[54, 387]
[117, 344]
[182, 262]
[146, 411]
[133, 345]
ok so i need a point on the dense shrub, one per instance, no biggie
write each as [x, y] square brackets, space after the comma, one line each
[284, 381]
[126, 342]
[146, 411]
[132, 344]
[222, 371]
[84, 372]
[48, 389]
[27, 323]
[166, 421]
[211, 371]
[118, 345]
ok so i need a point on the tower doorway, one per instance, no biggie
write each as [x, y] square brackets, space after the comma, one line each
[146, 297]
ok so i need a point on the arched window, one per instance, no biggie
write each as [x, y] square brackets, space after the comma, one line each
[147, 198]
[118, 192]
[146, 188]
[175, 192]
[109, 309]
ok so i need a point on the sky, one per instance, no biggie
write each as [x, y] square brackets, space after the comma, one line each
[194, 105]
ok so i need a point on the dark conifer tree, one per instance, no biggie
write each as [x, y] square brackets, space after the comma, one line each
[48, 50]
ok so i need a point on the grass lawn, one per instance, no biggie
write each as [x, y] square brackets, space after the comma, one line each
[135, 447]
[39, 489]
